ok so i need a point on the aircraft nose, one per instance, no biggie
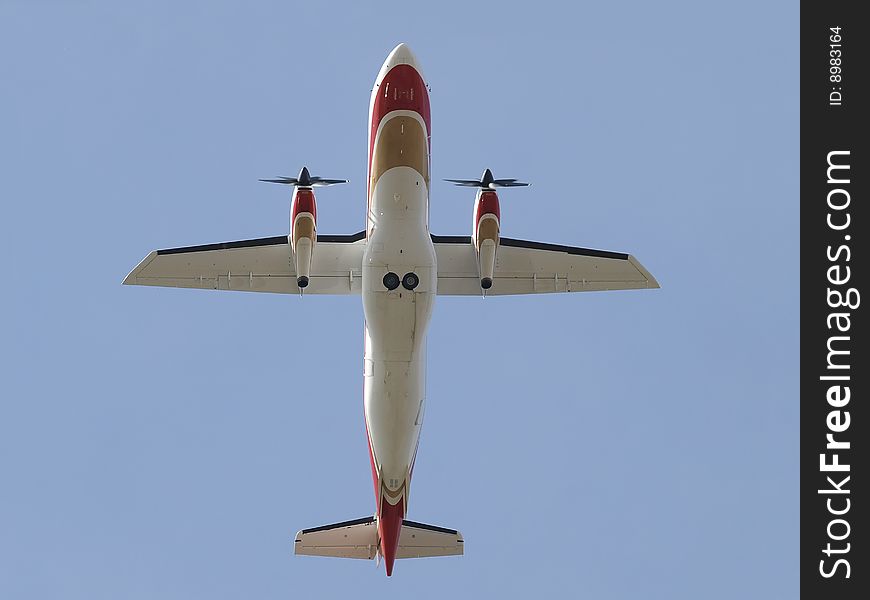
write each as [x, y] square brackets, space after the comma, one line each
[402, 55]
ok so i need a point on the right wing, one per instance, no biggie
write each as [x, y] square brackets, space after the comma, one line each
[259, 265]
[524, 267]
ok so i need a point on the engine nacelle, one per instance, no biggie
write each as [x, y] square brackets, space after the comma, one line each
[484, 234]
[303, 232]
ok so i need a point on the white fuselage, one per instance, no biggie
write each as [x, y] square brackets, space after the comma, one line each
[396, 324]
[396, 320]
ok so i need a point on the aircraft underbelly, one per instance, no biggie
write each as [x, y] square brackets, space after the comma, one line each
[396, 324]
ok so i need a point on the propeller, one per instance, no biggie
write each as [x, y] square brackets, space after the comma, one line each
[304, 179]
[487, 181]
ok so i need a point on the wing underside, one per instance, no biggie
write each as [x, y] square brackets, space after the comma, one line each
[257, 265]
[525, 267]
[264, 265]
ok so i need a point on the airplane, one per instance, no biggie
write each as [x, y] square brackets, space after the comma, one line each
[398, 268]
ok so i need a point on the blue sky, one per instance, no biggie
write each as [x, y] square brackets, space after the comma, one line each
[168, 443]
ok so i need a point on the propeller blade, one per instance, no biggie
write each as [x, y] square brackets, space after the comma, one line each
[465, 182]
[305, 180]
[487, 181]
[501, 183]
[321, 182]
[284, 180]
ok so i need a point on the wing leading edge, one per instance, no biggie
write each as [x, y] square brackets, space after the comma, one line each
[257, 265]
[526, 267]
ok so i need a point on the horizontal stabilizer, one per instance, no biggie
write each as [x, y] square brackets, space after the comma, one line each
[419, 540]
[359, 539]
[348, 539]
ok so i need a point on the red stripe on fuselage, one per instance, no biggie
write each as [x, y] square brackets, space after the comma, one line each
[372, 461]
[402, 88]
[390, 527]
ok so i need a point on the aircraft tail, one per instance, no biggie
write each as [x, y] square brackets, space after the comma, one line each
[359, 539]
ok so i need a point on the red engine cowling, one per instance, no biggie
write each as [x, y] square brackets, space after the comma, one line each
[485, 234]
[303, 232]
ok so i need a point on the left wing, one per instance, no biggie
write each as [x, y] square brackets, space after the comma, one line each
[259, 265]
[525, 267]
